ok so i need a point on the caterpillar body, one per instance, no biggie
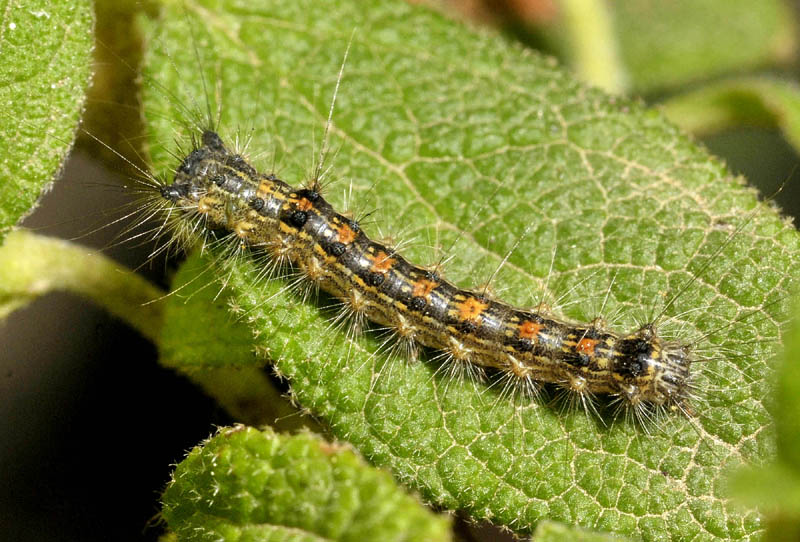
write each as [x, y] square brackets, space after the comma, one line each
[299, 226]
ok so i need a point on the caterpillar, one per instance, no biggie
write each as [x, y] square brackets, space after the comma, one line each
[220, 191]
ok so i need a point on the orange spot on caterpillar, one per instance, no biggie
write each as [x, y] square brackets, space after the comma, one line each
[382, 262]
[304, 204]
[471, 309]
[529, 330]
[586, 346]
[345, 233]
[423, 287]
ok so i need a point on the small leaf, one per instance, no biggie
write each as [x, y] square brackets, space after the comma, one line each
[46, 50]
[465, 142]
[747, 101]
[245, 484]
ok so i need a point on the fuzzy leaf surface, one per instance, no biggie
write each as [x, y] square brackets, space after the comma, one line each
[245, 484]
[469, 148]
[46, 48]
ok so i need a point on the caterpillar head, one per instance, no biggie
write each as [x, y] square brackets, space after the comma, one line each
[197, 170]
[208, 179]
[650, 370]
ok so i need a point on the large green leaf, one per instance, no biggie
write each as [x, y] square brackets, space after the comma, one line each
[462, 141]
[46, 48]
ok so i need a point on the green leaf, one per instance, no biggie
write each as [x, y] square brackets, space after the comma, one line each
[465, 142]
[749, 101]
[666, 44]
[46, 50]
[245, 484]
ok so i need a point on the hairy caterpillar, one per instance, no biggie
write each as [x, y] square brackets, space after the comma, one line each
[219, 191]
